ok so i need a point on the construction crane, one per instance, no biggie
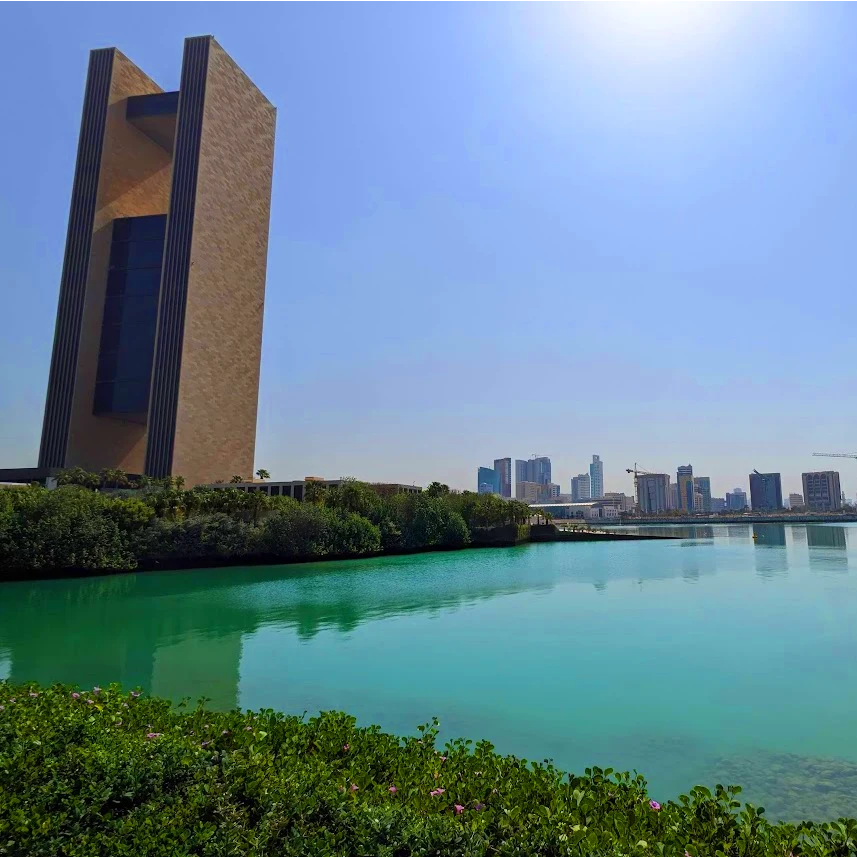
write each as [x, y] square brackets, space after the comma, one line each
[637, 471]
[835, 454]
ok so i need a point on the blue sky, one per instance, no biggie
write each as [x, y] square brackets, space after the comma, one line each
[500, 230]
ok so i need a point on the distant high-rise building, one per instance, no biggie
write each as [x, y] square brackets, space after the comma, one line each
[674, 495]
[653, 492]
[488, 481]
[503, 466]
[821, 491]
[541, 471]
[580, 488]
[536, 469]
[596, 477]
[619, 501]
[703, 485]
[553, 490]
[736, 500]
[766, 492]
[795, 501]
[529, 492]
[684, 480]
[718, 504]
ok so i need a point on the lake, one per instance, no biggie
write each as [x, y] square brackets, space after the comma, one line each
[714, 658]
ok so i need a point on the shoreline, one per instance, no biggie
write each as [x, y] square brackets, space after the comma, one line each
[539, 534]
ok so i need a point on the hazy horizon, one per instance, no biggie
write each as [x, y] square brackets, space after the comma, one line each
[500, 230]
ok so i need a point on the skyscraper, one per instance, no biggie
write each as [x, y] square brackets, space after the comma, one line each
[155, 366]
[653, 492]
[736, 500]
[766, 493]
[684, 481]
[487, 481]
[795, 501]
[503, 466]
[702, 484]
[537, 469]
[580, 488]
[596, 477]
[821, 491]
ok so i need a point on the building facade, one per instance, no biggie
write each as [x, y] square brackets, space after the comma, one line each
[684, 481]
[155, 366]
[653, 492]
[580, 488]
[736, 500]
[487, 481]
[766, 493]
[718, 504]
[795, 501]
[702, 484]
[596, 477]
[296, 488]
[530, 492]
[537, 469]
[503, 466]
[821, 491]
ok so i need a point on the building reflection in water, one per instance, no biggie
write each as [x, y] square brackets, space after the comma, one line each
[770, 554]
[828, 548]
[739, 532]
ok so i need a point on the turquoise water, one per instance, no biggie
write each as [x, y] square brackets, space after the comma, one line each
[710, 659]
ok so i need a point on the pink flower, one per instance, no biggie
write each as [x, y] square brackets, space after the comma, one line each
[458, 808]
[654, 805]
[90, 702]
[353, 787]
[75, 695]
[437, 792]
[479, 807]
[135, 693]
[392, 790]
[443, 758]
[154, 734]
[33, 694]
[96, 689]
[346, 747]
[205, 743]
[248, 728]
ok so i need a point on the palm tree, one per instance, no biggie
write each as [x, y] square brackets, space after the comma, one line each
[262, 473]
[235, 480]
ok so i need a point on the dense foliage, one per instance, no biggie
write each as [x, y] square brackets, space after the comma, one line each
[79, 525]
[105, 772]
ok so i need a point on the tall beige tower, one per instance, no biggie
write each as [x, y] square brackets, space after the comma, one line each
[156, 355]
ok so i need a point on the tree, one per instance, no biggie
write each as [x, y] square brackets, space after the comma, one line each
[78, 476]
[236, 479]
[437, 489]
[314, 492]
[263, 474]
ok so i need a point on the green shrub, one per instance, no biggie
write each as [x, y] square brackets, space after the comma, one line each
[297, 530]
[215, 536]
[352, 533]
[86, 774]
[70, 527]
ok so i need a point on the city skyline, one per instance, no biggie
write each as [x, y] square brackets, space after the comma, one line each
[402, 212]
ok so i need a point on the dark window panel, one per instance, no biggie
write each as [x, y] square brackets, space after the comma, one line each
[299, 493]
[275, 490]
[142, 281]
[130, 397]
[136, 254]
[150, 227]
[107, 361]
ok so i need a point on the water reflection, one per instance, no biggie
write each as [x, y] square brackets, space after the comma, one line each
[827, 548]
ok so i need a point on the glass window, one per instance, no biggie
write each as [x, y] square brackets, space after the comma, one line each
[130, 397]
[152, 226]
[136, 254]
[299, 493]
[140, 281]
[134, 363]
[275, 490]
[287, 490]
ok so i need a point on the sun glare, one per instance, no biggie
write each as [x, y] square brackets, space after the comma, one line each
[655, 32]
